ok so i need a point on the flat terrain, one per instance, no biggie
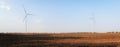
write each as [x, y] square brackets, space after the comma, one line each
[60, 40]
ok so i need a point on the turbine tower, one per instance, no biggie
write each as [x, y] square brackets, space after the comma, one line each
[25, 18]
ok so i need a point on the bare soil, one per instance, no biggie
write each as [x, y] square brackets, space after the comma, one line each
[60, 40]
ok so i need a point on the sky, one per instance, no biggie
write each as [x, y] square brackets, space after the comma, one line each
[59, 16]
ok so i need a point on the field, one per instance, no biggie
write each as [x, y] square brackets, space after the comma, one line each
[60, 40]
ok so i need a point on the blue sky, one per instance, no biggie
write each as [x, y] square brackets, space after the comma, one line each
[60, 15]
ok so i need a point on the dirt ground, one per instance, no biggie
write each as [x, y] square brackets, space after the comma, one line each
[59, 39]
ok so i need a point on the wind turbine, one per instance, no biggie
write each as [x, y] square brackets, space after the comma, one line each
[25, 18]
[93, 19]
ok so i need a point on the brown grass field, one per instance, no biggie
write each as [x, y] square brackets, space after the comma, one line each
[60, 40]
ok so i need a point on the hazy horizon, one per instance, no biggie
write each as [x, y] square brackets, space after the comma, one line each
[60, 15]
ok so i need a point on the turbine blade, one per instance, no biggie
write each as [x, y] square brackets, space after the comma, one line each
[29, 14]
[24, 18]
[24, 10]
[25, 13]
